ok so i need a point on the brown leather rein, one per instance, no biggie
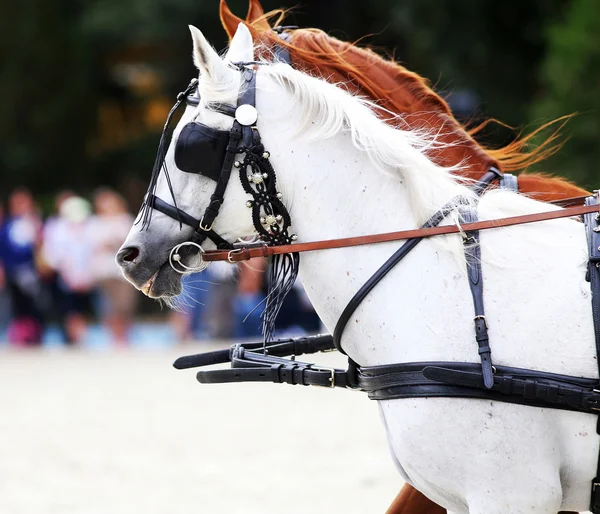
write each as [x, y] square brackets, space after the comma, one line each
[247, 253]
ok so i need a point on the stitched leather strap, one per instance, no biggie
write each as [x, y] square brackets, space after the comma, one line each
[465, 380]
[244, 254]
[255, 362]
[473, 258]
[279, 348]
[592, 226]
[174, 212]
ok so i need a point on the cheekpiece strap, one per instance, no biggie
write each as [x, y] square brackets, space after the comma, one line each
[237, 133]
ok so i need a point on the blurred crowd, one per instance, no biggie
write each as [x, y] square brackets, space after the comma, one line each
[62, 268]
[61, 271]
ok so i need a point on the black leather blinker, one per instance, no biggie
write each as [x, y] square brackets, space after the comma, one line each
[201, 149]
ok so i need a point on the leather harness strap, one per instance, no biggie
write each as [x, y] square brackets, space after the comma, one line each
[246, 253]
[473, 257]
[368, 286]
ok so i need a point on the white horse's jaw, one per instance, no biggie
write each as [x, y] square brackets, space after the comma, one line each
[147, 286]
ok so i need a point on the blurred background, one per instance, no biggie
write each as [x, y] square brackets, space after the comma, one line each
[85, 87]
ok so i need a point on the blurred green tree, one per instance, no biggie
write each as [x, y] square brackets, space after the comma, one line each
[85, 85]
[570, 77]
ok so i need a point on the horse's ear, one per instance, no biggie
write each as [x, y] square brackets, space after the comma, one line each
[206, 58]
[241, 48]
[229, 20]
[255, 16]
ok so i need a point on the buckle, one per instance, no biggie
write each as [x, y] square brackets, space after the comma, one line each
[206, 229]
[231, 253]
[331, 378]
[479, 316]
[597, 409]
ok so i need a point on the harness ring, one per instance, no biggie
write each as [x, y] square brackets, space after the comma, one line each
[175, 257]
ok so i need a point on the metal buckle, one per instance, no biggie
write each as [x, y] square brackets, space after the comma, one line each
[205, 229]
[331, 378]
[232, 253]
[597, 391]
[483, 318]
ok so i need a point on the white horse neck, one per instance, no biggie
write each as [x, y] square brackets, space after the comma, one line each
[423, 309]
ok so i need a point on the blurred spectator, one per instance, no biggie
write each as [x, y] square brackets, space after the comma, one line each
[219, 313]
[297, 313]
[251, 292]
[188, 320]
[51, 247]
[19, 237]
[5, 310]
[68, 249]
[206, 304]
[118, 298]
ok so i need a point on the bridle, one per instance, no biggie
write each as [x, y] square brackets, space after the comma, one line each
[216, 152]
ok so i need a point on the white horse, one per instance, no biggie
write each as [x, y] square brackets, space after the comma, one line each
[343, 172]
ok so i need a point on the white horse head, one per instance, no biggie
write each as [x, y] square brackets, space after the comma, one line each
[295, 112]
[144, 256]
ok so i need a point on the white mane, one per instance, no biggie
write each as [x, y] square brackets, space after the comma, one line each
[402, 152]
[391, 149]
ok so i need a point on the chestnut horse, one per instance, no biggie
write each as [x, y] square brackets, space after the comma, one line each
[401, 91]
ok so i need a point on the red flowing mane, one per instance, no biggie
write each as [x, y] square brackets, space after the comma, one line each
[403, 92]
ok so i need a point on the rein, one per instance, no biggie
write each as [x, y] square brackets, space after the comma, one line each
[261, 250]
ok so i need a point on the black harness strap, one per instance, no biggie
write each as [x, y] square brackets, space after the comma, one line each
[255, 362]
[368, 286]
[174, 212]
[281, 53]
[488, 178]
[203, 228]
[238, 133]
[592, 227]
[481, 335]
[472, 250]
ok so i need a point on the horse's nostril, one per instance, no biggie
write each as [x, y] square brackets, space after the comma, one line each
[129, 254]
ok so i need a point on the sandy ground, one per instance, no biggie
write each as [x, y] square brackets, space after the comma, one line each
[86, 432]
